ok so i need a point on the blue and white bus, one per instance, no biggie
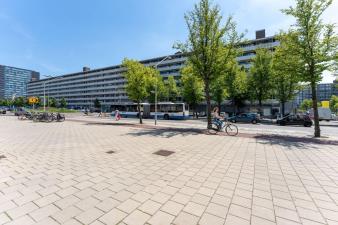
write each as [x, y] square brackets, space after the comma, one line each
[165, 110]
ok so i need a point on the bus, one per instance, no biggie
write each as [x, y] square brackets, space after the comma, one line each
[165, 110]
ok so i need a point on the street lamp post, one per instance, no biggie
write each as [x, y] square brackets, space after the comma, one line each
[164, 59]
[44, 92]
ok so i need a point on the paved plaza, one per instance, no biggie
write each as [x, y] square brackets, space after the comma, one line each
[86, 173]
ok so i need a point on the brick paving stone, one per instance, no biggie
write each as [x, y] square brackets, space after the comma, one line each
[172, 208]
[194, 209]
[26, 220]
[208, 219]
[44, 212]
[136, 218]
[89, 216]
[128, 206]
[240, 180]
[161, 218]
[47, 221]
[107, 204]
[22, 210]
[66, 214]
[114, 216]
[186, 219]
[4, 218]
[150, 207]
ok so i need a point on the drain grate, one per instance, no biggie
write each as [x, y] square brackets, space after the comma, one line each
[163, 152]
[2, 157]
[110, 152]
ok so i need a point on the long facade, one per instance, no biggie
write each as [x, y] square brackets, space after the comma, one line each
[107, 84]
[13, 81]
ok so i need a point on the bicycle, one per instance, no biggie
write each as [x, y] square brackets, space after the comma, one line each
[223, 126]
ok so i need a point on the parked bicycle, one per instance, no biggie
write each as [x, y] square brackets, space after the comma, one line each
[43, 117]
[219, 125]
[58, 117]
[26, 116]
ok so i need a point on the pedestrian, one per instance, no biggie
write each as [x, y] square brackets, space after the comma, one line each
[117, 115]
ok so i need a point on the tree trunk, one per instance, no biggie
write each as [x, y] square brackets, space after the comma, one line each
[139, 112]
[234, 107]
[315, 108]
[283, 108]
[260, 107]
[207, 96]
[219, 108]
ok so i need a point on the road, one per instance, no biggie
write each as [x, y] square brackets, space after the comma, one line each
[329, 129]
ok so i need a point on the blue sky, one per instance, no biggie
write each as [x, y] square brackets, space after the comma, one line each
[59, 37]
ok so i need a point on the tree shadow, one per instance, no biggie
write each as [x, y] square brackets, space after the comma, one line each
[167, 132]
[294, 141]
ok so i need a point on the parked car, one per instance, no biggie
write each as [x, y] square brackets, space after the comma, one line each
[20, 111]
[323, 114]
[304, 120]
[3, 110]
[246, 118]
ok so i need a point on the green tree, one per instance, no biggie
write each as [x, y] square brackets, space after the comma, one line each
[97, 104]
[157, 80]
[172, 89]
[235, 83]
[52, 102]
[63, 103]
[192, 88]
[260, 83]
[316, 44]
[19, 102]
[218, 91]
[285, 71]
[209, 44]
[334, 103]
[139, 78]
[306, 104]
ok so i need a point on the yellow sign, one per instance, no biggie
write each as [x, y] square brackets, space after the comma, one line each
[325, 104]
[33, 100]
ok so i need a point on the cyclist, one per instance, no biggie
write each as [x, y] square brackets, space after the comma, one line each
[217, 119]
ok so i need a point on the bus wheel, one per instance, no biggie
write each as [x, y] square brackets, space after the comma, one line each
[166, 117]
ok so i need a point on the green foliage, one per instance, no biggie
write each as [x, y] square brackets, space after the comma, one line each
[5, 102]
[63, 103]
[172, 90]
[192, 87]
[97, 103]
[157, 80]
[52, 102]
[139, 80]
[315, 43]
[306, 104]
[209, 45]
[285, 70]
[235, 83]
[218, 90]
[334, 103]
[19, 102]
[260, 77]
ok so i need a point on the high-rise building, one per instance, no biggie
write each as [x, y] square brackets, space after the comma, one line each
[13, 81]
[107, 84]
[324, 92]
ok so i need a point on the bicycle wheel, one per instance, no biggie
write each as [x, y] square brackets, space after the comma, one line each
[231, 130]
[213, 130]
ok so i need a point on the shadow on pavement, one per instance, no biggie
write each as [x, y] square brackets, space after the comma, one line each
[293, 141]
[167, 132]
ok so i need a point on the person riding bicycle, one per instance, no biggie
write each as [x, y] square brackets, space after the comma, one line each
[217, 119]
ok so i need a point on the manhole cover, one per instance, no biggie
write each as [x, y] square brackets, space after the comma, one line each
[110, 152]
[163, 152]
[2, 156]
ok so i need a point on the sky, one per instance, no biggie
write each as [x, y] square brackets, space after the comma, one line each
[57, 37]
